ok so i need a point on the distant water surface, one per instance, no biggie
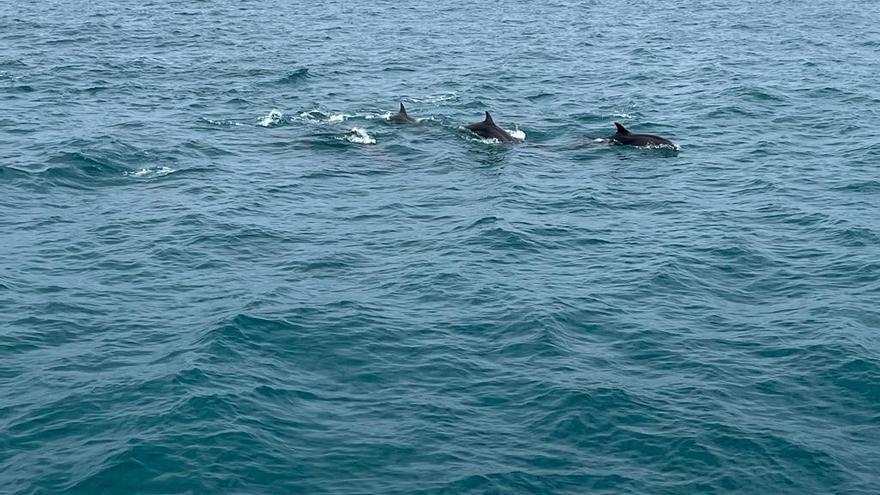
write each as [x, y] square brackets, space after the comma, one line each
[221, 271]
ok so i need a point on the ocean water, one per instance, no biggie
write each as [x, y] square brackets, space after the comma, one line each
[221, 270]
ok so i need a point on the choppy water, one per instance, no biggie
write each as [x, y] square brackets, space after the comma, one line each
[210, 284]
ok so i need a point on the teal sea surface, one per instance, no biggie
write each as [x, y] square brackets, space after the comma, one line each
[223, 271]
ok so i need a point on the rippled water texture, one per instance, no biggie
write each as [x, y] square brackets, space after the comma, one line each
[223, 272]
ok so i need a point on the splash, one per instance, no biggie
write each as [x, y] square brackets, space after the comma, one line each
[359, 136]
[273, 118]
[517, 133]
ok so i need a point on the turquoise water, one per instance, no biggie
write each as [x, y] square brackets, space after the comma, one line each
[210, 284]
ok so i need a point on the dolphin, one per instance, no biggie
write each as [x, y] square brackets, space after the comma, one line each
[401, 117]
[487, 129]
[623, 136]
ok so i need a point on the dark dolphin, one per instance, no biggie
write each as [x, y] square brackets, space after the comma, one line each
[487, 129]
[401, 117]
[623, 136]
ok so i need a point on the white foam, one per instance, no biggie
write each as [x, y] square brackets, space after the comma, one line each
[673, 147]
[221, 122]
[435, 98]
[622, 115]
[150, 173]
[272, 119]
[360, 136]
[517, 133]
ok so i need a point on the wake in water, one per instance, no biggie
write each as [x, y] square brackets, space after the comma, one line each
[485, 131]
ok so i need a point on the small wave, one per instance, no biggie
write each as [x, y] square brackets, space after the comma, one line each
[294, 76]
[398, 69]
[272, 119]
[359, 136]
[87, 163]
[865, 186]
[150, 173]
[12, 62]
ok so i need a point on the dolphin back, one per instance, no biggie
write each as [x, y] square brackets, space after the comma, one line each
[625, 137]
[401, 117]
[489, 130]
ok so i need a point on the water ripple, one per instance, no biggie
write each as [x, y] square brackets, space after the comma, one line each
[224, 271]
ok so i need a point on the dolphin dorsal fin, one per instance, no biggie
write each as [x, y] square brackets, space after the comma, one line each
[489, 119]
[621, 129]
[402, 110]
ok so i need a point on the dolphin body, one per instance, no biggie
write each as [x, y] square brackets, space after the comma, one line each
[487, 129]
[402, 117]
[623, 136]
